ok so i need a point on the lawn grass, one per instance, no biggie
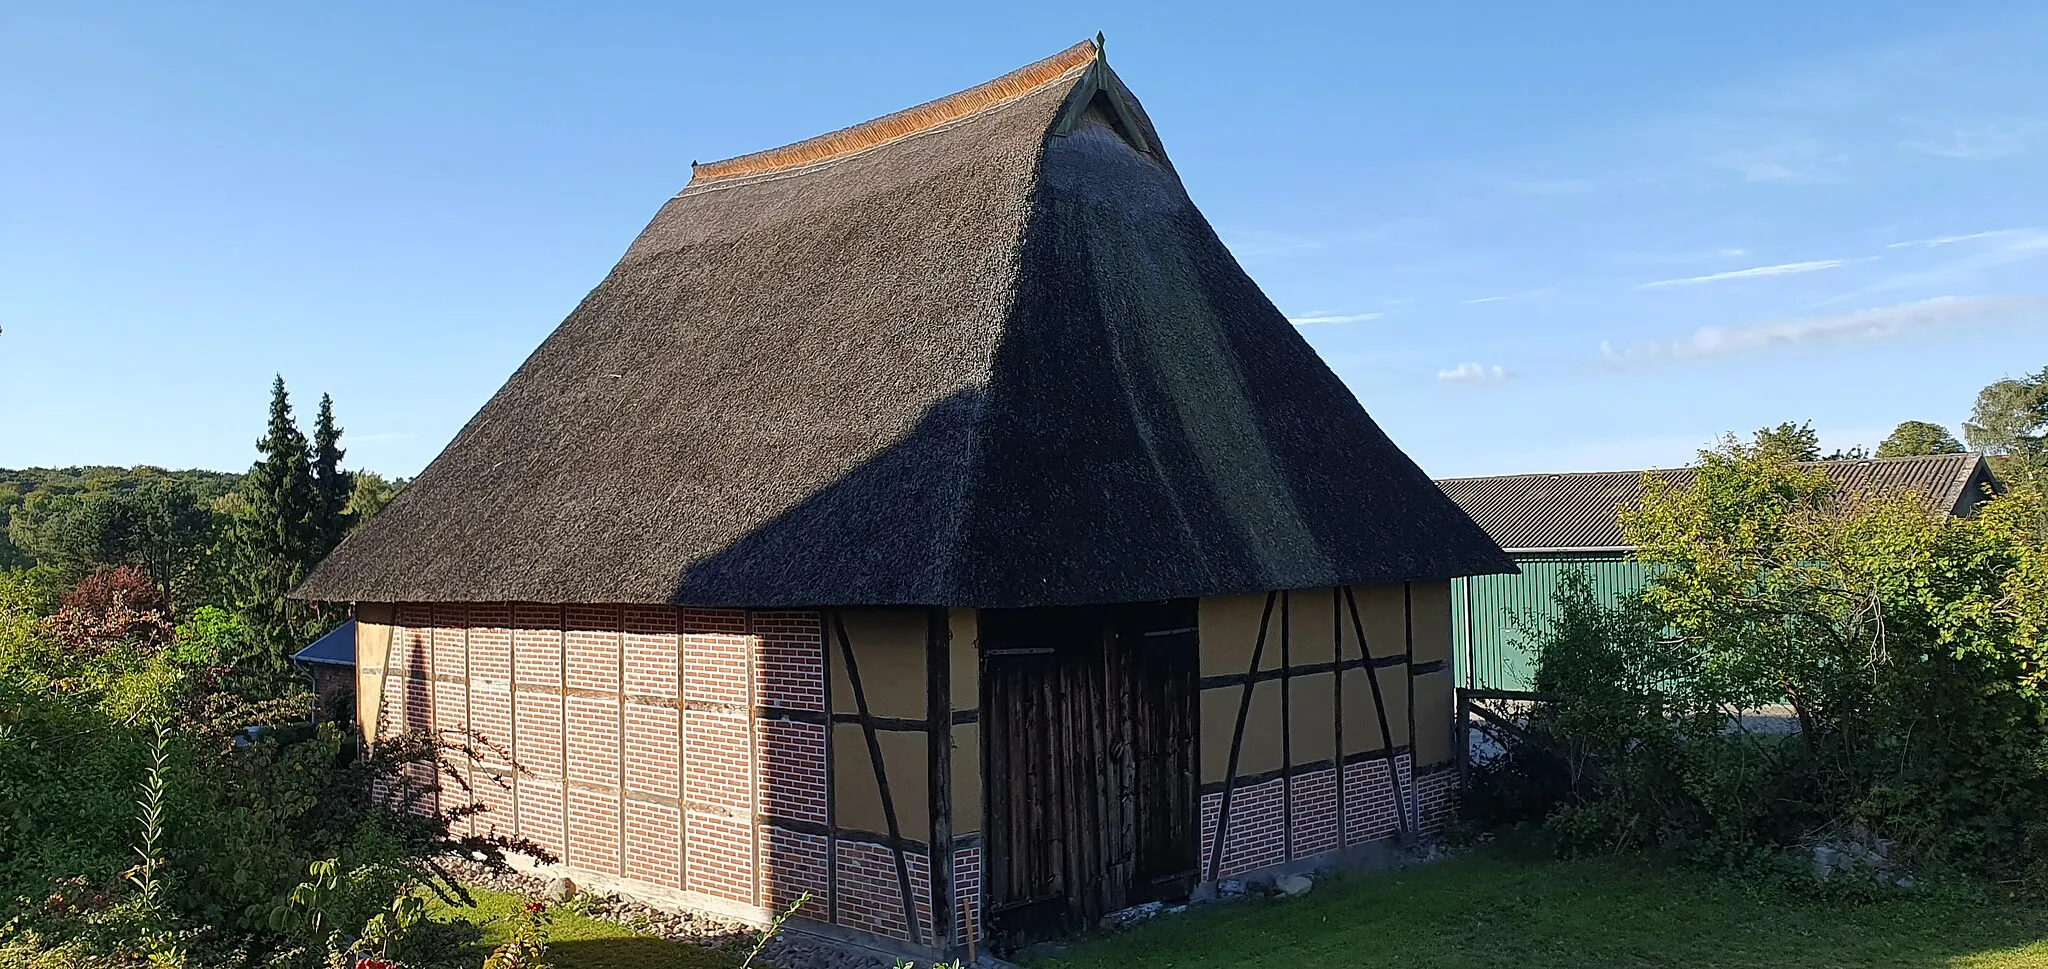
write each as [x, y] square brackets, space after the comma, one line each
[577, 941]
[1585, 914]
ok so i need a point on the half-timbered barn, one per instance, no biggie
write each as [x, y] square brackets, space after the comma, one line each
[931, 517]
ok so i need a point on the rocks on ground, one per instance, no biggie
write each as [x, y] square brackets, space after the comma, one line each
[1293, 884]
[695, 928]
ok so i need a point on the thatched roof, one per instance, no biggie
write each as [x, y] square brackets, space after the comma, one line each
[1580, 511]
[984, 352]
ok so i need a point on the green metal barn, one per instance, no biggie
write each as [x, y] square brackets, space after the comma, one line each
[1553, 523]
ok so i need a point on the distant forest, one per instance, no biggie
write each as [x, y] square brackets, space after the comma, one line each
[18, 484]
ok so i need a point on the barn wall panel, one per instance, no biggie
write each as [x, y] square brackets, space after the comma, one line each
[686, 749]
[1313, 770]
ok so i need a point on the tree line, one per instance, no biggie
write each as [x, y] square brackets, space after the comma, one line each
[215, 552]
[2008, 424]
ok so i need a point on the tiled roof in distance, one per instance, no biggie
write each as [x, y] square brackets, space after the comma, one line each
[1579, 511]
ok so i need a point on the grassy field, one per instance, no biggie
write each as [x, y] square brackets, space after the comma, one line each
[1481, 911]
[1491, 911]
[579, 942]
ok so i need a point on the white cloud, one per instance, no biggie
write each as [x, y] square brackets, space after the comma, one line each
[1951, 240]
[1317, 316]
[1782, 269]
[1482, 299]
[1875, 323]
[1473, 372]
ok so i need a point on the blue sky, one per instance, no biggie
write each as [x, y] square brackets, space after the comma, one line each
[1531, 237]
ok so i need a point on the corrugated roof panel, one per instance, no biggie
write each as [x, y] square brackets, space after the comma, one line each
[1581, 510]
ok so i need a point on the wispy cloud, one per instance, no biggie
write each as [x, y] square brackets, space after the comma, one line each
[1972, 267]
[1525, 294]
[1547, 187]
[1874, 323]
[1788, 160]
[1781, 269]
[1951, 240]
[1468, 372]
[1317, 316]
[1641, 258]
[1987, 142]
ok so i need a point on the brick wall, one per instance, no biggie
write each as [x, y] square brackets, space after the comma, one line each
[680, 749]
[967, 892]
[1257, 830]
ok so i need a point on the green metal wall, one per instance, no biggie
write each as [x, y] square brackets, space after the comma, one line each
[1486, 642]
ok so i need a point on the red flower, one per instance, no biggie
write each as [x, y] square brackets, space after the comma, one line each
[535, 908]
[374, 964]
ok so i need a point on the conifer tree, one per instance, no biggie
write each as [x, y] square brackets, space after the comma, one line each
[331, 485]
[277, 537]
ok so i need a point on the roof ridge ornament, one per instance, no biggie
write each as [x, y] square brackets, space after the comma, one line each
[907, 122]
[1100, 86]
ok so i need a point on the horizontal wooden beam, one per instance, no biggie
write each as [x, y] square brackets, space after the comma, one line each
[1239, 679]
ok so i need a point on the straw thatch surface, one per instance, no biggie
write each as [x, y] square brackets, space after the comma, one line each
[978, 363]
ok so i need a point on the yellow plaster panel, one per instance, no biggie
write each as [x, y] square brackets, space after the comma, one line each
[1219, 716]
[966, 778]
[1433, 728]
[1430, 606]
[1310, 630]
[889, 645]
[1261, 748]
[1229, 630]
[858, 798]
[1361, 726]
[1311, 707]
[965, 626]
[373, 648]
[1382, 609]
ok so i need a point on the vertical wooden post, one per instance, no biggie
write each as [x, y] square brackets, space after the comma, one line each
[562, 689]
[752, 710]
[1471, 629]
[1337, 708]
[827, 621]
[683, 754]
[938, 664]
[619, 779]
[1286, 734]
[1408, 661]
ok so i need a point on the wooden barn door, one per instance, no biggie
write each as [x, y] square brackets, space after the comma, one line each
[1092, 796]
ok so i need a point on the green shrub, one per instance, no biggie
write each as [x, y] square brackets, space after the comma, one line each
[1907, 646]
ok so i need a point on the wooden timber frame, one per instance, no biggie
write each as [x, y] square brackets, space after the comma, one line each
[1375, 651]
[937, 727]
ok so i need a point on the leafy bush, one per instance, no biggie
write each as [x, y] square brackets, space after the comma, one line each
[1907, 646]
[90, 719]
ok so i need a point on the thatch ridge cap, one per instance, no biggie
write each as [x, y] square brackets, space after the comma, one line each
[902, 124]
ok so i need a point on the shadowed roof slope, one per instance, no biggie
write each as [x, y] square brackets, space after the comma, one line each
[1579, 512]
[984, 352]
